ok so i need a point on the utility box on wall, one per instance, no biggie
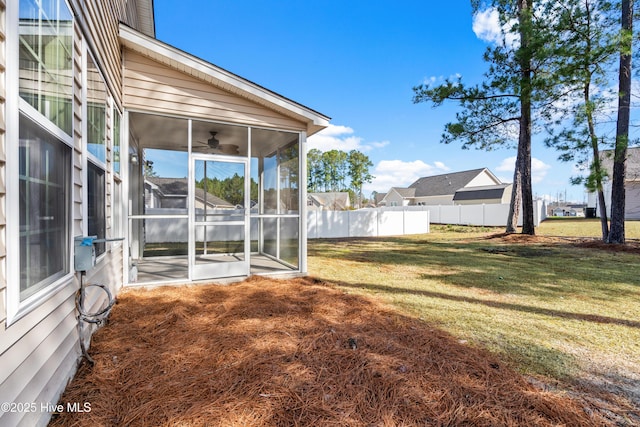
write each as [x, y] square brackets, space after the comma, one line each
[84, 258]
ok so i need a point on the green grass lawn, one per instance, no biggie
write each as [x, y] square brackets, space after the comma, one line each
[582, 227]
[566, 313]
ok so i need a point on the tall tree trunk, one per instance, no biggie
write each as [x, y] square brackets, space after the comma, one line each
[596, 166]
[617, 233]
[602, 204]
[516, 197]
[524, 140]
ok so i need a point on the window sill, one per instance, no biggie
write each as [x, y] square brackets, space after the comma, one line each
[18, 310]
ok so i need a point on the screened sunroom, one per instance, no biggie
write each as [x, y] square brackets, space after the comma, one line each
[215, 170]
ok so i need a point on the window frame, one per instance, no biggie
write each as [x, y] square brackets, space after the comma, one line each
[39, 226]
[90, 158]
[117, 224]
[85, 109]
[39, 95]
[116, 135]
[100, 212]
[16, 308]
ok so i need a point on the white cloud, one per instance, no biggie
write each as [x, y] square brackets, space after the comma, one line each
[539, 169]
[487, 27]
[334, 130]
[507, 165]
[433, 80]
[336, 137]
[380, 144]
[441, 166]
[398, 173]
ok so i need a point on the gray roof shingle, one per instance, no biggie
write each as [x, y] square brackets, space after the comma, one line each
[405, 192]
[179, 187]
[444, 184]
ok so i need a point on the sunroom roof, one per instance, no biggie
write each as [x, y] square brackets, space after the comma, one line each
[221, 78]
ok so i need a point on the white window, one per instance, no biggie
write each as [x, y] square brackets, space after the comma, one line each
[96, 104]
[45, 173]
[39, 151]
[117, 120]
[117, 209]
[46, 59]
[96, 218]
[96, 113]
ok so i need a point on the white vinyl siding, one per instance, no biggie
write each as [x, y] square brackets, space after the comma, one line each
[153, 87]
[446, 199]
[632, 208]
[393, 198]
[39, 349]
[100, 21]
[3, 238]
[484, 178]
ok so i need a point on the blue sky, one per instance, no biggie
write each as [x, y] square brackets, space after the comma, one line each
[357, 62]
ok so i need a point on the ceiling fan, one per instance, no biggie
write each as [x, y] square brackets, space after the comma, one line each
[213, 142]
[215, 145]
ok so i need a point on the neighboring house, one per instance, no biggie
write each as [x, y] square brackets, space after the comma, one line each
[562, 209]
[486, 194]
[475, 186]
[87, 91]
[336, 201]
[632, 184]
[398, 196]
[378, 199]
[173, 193]
[166, 193]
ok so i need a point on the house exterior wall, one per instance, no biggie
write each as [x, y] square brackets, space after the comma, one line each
[393, 198]
[479, 202]
[153, 87]
[39, 350]
[506, 196]
[446, 199]
[482, 179]
[632, 184]
[632, 200]
[3, 180]
[99, 20]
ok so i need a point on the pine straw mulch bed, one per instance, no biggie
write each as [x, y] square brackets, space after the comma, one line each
[297, 352]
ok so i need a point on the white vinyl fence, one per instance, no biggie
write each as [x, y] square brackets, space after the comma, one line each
[493, 215]
[367, 222]
[389, 221]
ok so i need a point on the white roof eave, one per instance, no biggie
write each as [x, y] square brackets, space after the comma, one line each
[184, 62]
